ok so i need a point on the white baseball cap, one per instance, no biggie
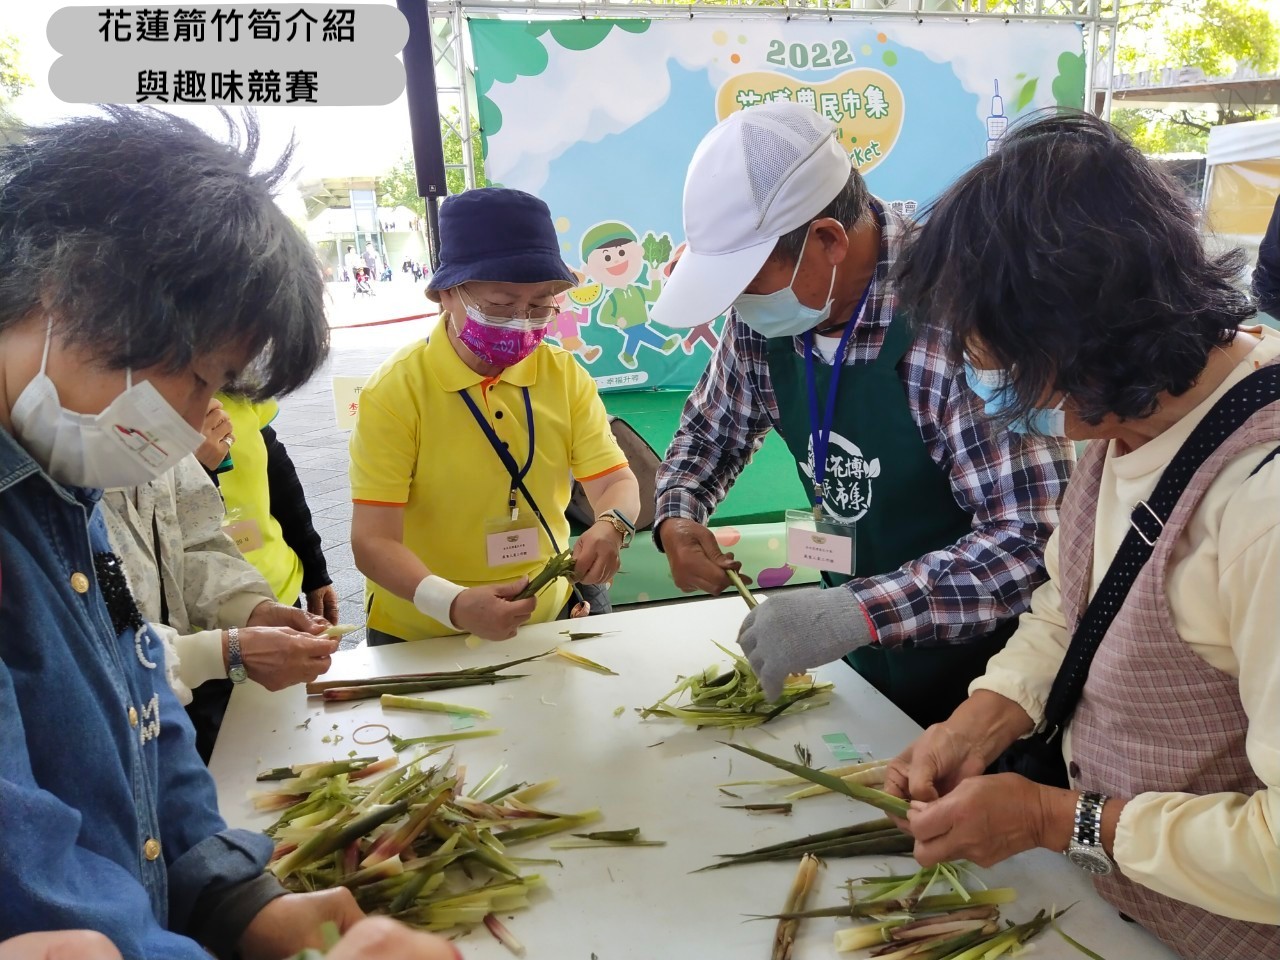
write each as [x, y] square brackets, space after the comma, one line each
[759, 174]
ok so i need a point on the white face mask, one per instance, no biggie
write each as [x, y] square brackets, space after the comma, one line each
[138, 437]
[781, 314]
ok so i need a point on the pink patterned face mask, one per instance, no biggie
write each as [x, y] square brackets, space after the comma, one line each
[500, 342]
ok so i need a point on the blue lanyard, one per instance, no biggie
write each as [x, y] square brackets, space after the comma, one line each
[820, 430]
[516, 472]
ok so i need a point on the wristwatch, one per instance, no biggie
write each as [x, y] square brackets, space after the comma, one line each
[1085, 849]
[618, 520]
[236, 671]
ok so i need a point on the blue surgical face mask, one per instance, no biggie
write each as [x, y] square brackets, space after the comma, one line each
[990, 386]
[781, 314]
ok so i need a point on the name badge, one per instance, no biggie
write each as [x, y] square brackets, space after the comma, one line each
[246, 534]
[508, 542]
[818, 544]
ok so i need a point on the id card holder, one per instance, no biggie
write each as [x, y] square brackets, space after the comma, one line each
[820, 544]
[243, 530]
[508, 542]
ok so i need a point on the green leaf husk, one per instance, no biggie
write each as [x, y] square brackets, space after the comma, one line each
[941, 903]
[369, 691]
[1071, 940]
[733, 698]
[875, 838]
[736, 579]
[475, 674]
[558, 567]
[615, 836]
[779, 808]
[876, 798]
[400, 744]
[430, 706]
[583, 662]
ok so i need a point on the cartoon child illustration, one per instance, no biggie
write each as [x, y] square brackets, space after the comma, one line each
[704, 332]
[614, 259]
[575, 313]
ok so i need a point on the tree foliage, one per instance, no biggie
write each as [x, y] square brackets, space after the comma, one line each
[1214, 35]
[398, 186]
[1158, 132]
[13, 79]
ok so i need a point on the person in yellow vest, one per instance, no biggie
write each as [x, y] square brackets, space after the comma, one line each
[267, 512]
[463, 459]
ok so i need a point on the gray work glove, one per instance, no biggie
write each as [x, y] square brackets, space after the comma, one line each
[800, 629]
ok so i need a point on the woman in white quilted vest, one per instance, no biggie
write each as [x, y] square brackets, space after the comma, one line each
[1081, 298]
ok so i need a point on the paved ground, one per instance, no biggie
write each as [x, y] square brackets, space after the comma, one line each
[308, 428]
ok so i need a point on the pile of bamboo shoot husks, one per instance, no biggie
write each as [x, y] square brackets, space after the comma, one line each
[906, 921]
[406, 839]
[734, 699]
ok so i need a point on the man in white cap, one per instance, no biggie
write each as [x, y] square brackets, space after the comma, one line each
[951, 513]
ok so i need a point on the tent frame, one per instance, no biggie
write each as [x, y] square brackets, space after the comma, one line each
[1098, 18]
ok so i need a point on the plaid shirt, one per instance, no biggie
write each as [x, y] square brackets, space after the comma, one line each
[1011, 484]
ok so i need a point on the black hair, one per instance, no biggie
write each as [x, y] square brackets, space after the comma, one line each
[1075, 265]
[151, 243]
[849, 206]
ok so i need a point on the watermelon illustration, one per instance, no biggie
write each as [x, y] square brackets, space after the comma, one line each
[727, 536]
[586, 294]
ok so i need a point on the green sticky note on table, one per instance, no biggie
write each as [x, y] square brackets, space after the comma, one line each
[461, 721]
[841, 747]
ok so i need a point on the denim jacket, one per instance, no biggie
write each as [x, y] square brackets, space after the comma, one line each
[108, 819]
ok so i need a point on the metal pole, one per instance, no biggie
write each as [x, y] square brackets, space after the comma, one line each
[464, 119]
[433, 233]
[1091, 67]
[1111, 71]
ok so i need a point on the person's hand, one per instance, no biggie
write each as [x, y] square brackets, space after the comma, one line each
[272, 614]
[279, 657]
[218, 436]
[379, 938]
[292, 923]
[696, 560]
[962, 746]
[323, 602]
[792, 632]
[66, 945]
[491, 612]
[936, 763]
[987, 819]
[595, 555]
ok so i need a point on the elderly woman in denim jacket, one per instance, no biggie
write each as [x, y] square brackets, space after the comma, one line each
[142, 266]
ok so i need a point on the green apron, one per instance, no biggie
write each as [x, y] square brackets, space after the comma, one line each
[879, 474]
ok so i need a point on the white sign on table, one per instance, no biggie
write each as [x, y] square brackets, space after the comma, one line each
[346, 400]
[656, 774]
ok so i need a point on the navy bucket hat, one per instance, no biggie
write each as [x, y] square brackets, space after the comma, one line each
[497, 235]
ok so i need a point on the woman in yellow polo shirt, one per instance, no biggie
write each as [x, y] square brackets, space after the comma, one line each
[468, 443]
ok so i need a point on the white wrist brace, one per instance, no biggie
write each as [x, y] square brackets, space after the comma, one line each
[434, 597]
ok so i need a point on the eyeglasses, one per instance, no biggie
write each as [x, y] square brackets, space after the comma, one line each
[538, 312]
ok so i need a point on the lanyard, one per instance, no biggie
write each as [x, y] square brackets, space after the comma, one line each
[516, 473]
[820, 430]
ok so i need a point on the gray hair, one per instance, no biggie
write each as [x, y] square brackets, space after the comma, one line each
[151, 243]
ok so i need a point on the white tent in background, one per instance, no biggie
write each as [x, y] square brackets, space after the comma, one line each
[1243, 180]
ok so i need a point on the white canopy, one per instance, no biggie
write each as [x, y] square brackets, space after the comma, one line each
[1238, 142]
